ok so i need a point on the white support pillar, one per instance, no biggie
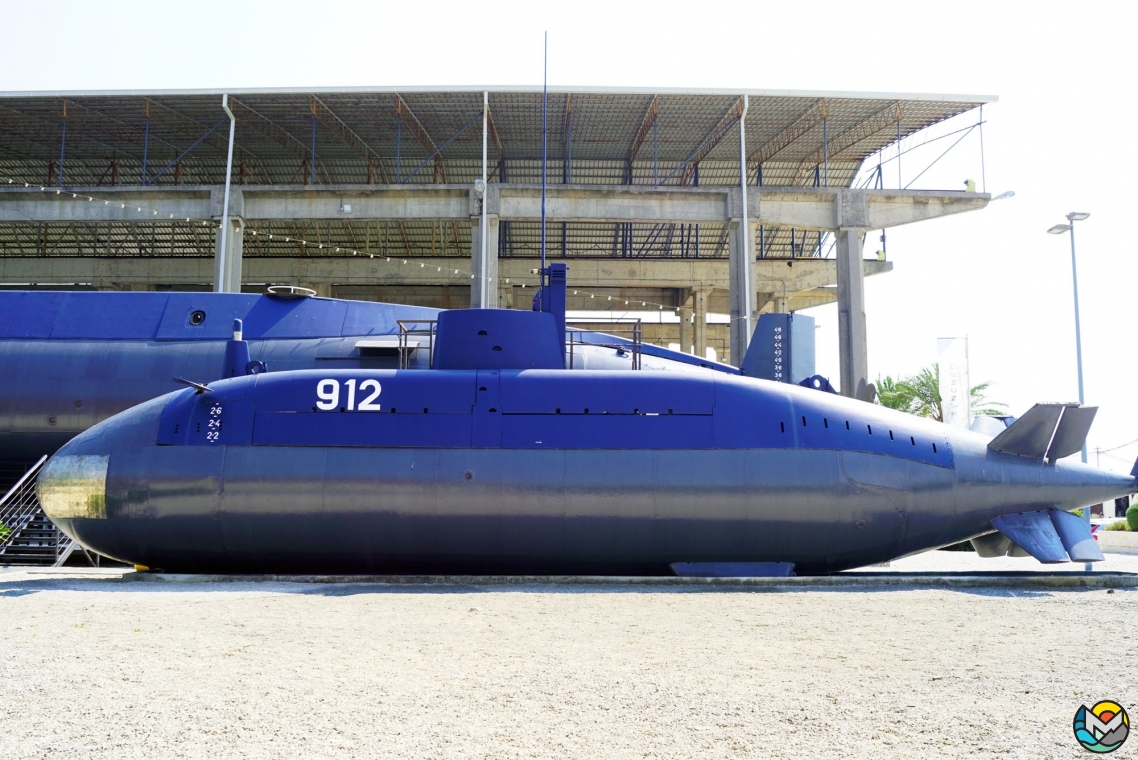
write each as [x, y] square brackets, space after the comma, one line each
[224, 271]
[742, 277]
[484, 284]
[853, 351]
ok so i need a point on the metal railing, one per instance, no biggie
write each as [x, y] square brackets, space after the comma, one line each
[426, 329]
[410, 328]
[19, 507]
[27, 534]
[632, 344]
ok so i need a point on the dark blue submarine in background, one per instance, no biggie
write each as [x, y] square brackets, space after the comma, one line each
[71, 359]
[494, 457]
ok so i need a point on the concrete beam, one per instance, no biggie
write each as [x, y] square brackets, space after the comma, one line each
[614, 203]
[786, 277]
[806, 299]
[816, 209]
[771, 275]
[121, 205]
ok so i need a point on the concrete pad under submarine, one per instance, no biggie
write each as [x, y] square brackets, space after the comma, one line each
[479, 467]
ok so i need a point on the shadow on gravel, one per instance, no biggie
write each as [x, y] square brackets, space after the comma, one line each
[1024, 585]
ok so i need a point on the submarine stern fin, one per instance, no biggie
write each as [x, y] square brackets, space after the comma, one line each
[1034, 533]
[994, 544]
[1046, 431]
[1071, 434]
[1051, 536]
[1076, 537]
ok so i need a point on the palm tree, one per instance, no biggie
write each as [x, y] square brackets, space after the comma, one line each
[894, 394]
[920, 395]
[982, 406]
[926, 393]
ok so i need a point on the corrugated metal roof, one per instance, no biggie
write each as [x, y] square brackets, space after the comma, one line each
[275, 130]
[382, 135]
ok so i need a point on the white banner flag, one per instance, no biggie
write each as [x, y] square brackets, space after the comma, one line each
[955, 399]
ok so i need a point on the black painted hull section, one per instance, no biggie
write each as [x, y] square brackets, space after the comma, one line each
[373, 509]
[377, 510]
[415, 510]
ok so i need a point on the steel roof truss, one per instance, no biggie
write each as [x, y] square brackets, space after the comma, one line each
[717, 134]
[336, 125]
[809, 119]
[646, 125]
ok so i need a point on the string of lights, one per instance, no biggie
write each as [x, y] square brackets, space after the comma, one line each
[149, 214]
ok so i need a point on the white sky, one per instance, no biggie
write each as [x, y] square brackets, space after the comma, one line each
[1064, 74]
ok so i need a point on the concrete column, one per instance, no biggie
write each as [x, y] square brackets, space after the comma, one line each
[230, 279]
[323, 289]
[505, 294]
[686, 328]
[780, 305]
[852, 348]
[491, 262]
[699, 325]
[742, 282]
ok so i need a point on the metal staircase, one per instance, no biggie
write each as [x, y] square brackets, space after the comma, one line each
[27, 536]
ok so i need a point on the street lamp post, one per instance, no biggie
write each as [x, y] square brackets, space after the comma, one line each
[1059, 229]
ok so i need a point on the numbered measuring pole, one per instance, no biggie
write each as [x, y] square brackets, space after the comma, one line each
[784, 348]
[213, 424]
[778, 337]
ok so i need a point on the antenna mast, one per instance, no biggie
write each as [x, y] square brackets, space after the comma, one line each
[544, 140]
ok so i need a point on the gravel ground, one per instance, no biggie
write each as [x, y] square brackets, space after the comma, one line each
[966, 562]
[95, 668]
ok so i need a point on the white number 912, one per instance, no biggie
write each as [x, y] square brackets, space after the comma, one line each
[328, 391]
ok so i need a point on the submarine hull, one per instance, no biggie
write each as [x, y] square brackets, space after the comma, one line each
[542, 508]
[282, 509]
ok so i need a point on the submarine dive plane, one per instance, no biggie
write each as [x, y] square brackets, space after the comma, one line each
[491, 456]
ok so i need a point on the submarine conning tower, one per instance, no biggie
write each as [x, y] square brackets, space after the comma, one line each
[505, 339]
